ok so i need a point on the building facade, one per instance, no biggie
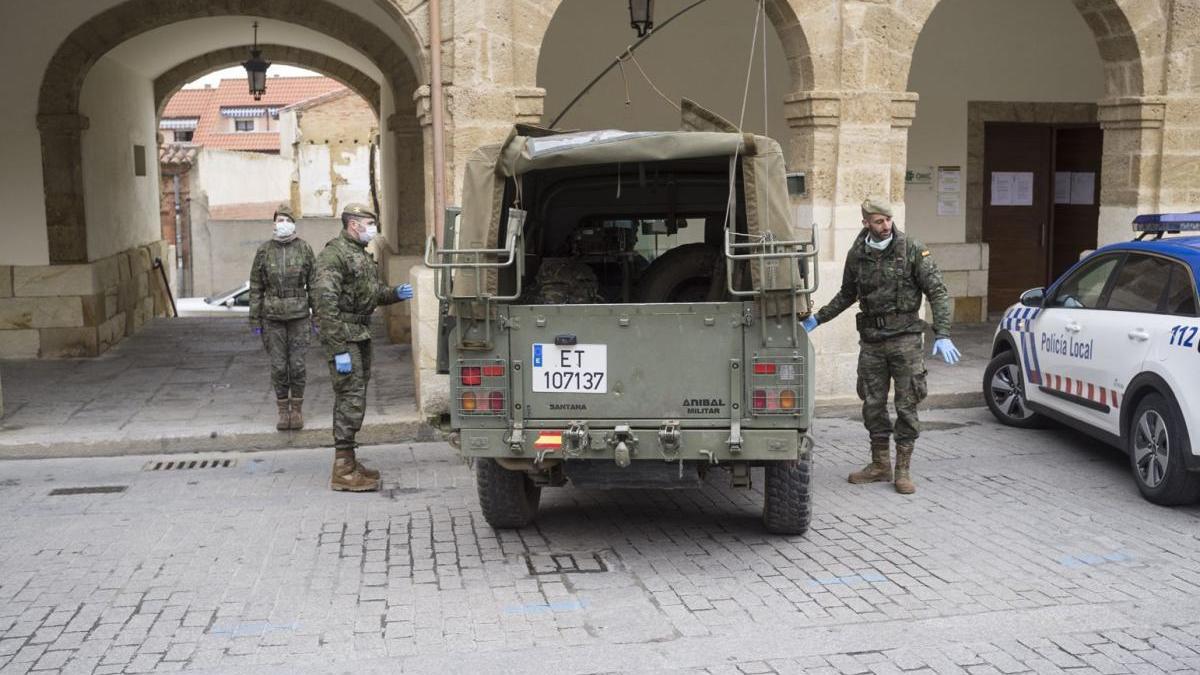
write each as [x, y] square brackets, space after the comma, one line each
[1014, 134]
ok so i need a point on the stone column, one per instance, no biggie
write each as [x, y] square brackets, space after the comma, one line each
[66, 226]
[850, 145]
[1132, 163]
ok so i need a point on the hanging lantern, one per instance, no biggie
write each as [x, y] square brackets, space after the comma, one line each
[641, 16]
[256, 69]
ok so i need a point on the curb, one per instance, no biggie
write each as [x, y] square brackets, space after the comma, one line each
[852, 407]
[403, 430]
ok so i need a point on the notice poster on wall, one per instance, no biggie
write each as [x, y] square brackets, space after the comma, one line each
[949, 179]
[1012, 188]
[1083, 187]
[949, 204]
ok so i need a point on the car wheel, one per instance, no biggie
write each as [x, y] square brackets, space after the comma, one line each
[509, 499]
[1156, 441]
[1004, 393]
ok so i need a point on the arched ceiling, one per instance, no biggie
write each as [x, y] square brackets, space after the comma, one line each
[156, 51]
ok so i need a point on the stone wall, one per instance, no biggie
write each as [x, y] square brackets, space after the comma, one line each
[56, 311]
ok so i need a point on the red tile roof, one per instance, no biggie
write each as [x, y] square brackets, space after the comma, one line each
[206, 105]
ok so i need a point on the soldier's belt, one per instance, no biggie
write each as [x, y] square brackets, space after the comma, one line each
[886, 321]
[363, 319]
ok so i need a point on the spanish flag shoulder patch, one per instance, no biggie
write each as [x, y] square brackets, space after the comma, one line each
[924, 253]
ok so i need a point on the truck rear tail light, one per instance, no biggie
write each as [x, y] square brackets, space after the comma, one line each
[776, 384]
[759, 400]
[787, 400]
[469, 404]
[471, 376]
[496, 401]
[493, 371]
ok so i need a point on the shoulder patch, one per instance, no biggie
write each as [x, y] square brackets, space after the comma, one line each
[924, 253]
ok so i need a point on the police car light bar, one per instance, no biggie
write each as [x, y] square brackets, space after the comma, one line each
[1167, 222]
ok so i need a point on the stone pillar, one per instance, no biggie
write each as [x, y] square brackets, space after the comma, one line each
[66, 226]
[850, 145]
[1132, 163]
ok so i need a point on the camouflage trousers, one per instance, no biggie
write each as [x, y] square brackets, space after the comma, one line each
[901, 360]
[350, 395]
[287, 343]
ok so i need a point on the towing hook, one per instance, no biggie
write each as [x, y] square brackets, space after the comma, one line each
[622, 455]
[623, 443]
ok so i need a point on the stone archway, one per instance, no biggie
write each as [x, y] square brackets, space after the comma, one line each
[170, 82]
[403, 64]
[1131, 49]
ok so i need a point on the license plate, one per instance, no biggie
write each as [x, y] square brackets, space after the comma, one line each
[573, 369]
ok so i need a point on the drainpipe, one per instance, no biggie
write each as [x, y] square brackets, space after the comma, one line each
[435, 96]
[179, 273]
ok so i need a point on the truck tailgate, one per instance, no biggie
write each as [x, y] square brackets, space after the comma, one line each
[625, 362]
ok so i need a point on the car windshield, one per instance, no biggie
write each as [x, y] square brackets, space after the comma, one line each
[222, 297]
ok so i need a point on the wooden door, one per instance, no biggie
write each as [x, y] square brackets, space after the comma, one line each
[1077, 153]
[1017, 233]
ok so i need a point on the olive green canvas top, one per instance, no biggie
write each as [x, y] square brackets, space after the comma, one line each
[530, 149]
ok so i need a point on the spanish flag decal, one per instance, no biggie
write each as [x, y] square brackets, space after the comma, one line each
[548, 440]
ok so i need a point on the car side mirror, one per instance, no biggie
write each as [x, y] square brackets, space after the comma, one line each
[228, 302]
[1033, 297]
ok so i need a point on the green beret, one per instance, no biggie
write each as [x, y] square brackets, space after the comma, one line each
[876, 205]
[358, 210]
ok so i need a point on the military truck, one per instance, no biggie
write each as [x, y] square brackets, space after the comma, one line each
[620, 309]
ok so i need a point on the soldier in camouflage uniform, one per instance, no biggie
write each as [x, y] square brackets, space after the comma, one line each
[347, 291]
[281, 277]
[887, 273]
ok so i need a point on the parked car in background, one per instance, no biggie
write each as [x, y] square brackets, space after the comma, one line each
[1112, 348]
[234, 302]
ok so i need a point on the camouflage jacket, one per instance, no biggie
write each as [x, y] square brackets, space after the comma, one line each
[281, 278]
[346, 292]
[888, 286]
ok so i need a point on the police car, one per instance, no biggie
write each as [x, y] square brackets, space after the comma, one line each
[1112, 348]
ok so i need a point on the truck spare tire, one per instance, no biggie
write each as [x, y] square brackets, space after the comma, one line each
[683, 274]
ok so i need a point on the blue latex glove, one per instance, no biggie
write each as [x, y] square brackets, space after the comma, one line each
[809, 324]
[404, 291]
[315, 329]
[342, 363]
[947, 350]
[257, 330]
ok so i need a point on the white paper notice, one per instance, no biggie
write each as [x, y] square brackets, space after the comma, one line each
[1023, 188]
[949, 179]
[949, 204]
[1002, 188]
[1083, 187]
[1062, 187]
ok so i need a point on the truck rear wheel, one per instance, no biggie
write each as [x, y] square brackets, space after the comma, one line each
[787, 496]
[509, 498]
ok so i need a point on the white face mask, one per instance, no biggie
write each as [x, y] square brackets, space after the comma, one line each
[878, 245]
[368, 234]
[284, 229]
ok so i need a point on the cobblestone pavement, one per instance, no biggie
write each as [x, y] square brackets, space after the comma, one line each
[1021, 552]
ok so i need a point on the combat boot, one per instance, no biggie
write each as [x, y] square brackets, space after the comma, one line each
[285, 416]
[347, 476]
[296, 416]
[880, 468]
[904, 484]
